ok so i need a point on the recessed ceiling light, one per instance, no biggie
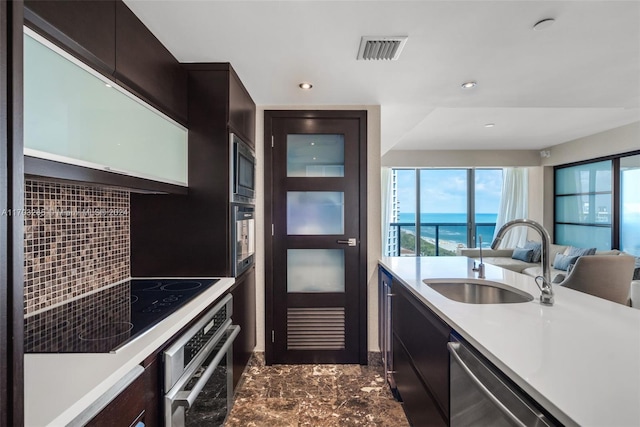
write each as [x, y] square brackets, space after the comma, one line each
[314, 158]
[489, 125]
[108, 85]
[469, 85]
[305, 86]
[543, 24]
[313, 143]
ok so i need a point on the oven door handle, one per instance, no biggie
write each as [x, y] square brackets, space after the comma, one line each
[186, 398]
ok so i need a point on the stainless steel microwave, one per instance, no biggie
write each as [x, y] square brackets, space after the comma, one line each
[243, 172]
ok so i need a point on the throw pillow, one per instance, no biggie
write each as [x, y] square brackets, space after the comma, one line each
[537, 250]
[562, 261]
[522, 254]
[572, 251]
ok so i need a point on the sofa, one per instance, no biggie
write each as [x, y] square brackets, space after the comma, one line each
[503, 258]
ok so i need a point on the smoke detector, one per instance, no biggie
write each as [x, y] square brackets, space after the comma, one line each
[378, 48]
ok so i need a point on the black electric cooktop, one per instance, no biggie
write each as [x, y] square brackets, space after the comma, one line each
[106, 320]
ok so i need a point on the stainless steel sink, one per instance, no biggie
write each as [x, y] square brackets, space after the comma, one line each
[474, 291]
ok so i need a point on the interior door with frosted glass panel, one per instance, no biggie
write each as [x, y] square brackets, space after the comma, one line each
[316, 242]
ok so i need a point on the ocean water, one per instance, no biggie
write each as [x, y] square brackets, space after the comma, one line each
[452, 233]
[630, 233]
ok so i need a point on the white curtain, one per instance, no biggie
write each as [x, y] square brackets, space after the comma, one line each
[385, 175]
[513, 205]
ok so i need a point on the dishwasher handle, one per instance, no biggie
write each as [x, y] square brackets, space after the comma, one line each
[453, 350]
[187, 398]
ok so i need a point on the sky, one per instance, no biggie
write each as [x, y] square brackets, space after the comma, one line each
[445, 190]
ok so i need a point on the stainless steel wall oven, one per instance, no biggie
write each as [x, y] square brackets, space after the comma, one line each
[198, 370]
[243, 226]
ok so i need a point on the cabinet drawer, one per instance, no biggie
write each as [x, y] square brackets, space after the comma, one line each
[419, 405]
[425, 338]
[126, 409]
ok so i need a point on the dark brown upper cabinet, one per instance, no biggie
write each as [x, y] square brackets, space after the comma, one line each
[238, 111]
[147, 68]
[84, 28]
[195, 238]
[242, 110]
[109, 37]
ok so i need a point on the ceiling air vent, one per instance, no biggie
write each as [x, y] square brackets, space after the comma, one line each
[381, 47]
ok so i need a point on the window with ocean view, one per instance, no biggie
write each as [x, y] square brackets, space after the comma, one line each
[454, 207]
[630, 205]
[597, 204]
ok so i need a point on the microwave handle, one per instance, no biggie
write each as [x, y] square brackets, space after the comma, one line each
[187, 398]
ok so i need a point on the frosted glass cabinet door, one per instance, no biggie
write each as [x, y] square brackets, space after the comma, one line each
[315, 270]
[74, 115]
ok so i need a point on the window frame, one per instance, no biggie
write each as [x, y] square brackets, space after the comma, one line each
[615, 194]
[471, 223]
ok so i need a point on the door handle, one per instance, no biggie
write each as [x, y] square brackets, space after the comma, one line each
[351, 241]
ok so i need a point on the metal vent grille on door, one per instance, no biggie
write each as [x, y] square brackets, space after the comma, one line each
[381, 48]
[316, 328]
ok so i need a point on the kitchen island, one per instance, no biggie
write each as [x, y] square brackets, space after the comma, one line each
[579, 359]
[66, 388]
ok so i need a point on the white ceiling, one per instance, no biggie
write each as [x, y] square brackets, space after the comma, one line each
[540, 88]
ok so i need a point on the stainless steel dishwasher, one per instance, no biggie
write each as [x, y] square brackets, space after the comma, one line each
[480, 396]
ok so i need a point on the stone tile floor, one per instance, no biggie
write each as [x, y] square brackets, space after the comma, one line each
[314, 395]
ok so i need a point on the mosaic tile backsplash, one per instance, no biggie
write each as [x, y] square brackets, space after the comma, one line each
[76, 241]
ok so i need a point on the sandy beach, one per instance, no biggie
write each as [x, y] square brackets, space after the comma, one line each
[444, 244]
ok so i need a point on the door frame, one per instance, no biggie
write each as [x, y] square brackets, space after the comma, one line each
[360, 115]
[11, 223]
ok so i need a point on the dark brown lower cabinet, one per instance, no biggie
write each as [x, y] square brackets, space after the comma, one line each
[419, 405]
[421, 360]
[139, 402]
[244, 314]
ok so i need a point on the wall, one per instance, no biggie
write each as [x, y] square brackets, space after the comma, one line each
[373, 216]
[76, 241]
[615, 141]
[460, 158]
[536, 197]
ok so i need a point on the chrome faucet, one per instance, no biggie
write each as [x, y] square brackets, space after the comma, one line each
[480, 268]
[546, 296]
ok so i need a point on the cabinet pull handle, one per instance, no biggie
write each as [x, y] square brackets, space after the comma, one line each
[110, 169]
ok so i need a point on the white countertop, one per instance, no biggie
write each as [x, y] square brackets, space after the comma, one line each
[580, 358]
[60, 386]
